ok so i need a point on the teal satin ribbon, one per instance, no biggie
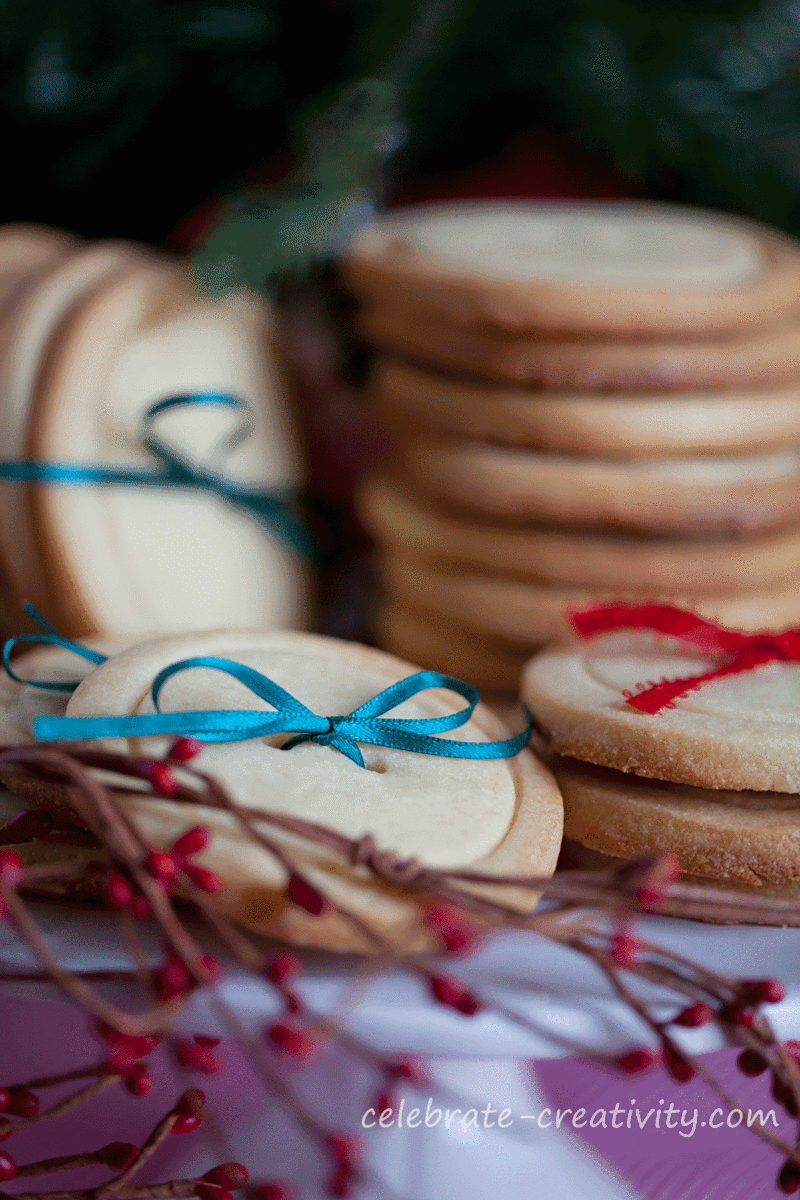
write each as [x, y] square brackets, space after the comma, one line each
[271, 508]
[50, 637]
[365, 724]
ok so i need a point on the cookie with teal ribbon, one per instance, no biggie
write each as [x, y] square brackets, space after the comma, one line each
[329, 732]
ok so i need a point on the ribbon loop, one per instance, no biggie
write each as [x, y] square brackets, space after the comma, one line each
[364, 725]
[50, 637]
[745, 651]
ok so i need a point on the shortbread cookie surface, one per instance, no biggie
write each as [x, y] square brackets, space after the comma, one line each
[738, 733]
[600, 268]
[768, 358]
[531, 614]
[719, 495]
[702, 567]
[406, 398]
[732, 837]
[501, 815]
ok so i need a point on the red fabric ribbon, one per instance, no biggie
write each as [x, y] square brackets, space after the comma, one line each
[744, 650]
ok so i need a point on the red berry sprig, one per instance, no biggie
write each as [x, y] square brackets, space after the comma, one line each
[453, 994]
[459, 935]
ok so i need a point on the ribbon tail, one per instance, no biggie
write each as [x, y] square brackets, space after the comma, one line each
[652, 699]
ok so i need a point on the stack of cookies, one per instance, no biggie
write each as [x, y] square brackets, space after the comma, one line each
[92, 335]
[587, 400]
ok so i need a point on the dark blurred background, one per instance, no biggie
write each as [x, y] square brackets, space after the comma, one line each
[120, 117]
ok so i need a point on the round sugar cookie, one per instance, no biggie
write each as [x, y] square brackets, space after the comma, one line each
[595, 561]
[531, 615]
[409, 400]
[25, 249]
[42, 302]
[443, 644]
[741, 732]
[152, 559]
[739, 838]
[770, 357]
[633, 268]
[679, 496]
[501, 815]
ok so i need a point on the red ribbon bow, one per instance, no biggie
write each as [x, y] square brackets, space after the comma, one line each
[746, 650]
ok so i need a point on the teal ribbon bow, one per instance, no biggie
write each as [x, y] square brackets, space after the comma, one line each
[366, 724]
[272, 508]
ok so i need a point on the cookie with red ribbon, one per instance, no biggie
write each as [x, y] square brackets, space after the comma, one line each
[661, 692]
[668, 732]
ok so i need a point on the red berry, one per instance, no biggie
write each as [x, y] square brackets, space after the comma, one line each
[294, 1042]
[751, 1063]
[118, 892]
[145, 1044]
[138, 1081]
[191, 1103]
[12, 868]
[162, 866]
[272, 1191]
[158, 775]
[762, 991]
[637, 1060]
[117, 1155]
[108, 1033]
[139, 907]
[173, 979]
[694, 1016]
[457, 932]
[196, 1058]
[625, 949]
[8, 1168]
[183, 749]
[407, 1068]
[26, 826]
[789, 1178]
[282, 968]
[211, 967]
[192, 841]
[5, 1097]
[205, 1191]
[304, 895]
[342, 1181]
[452, 993]
[186, 1124]
[228, 1175]
[22, 1103]
[679, 1068]
[345, 1148]
[793, 1048]
[202, 1040]
[383, 1101]
[737, 1014]
[201, 877]
[121, 1058]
